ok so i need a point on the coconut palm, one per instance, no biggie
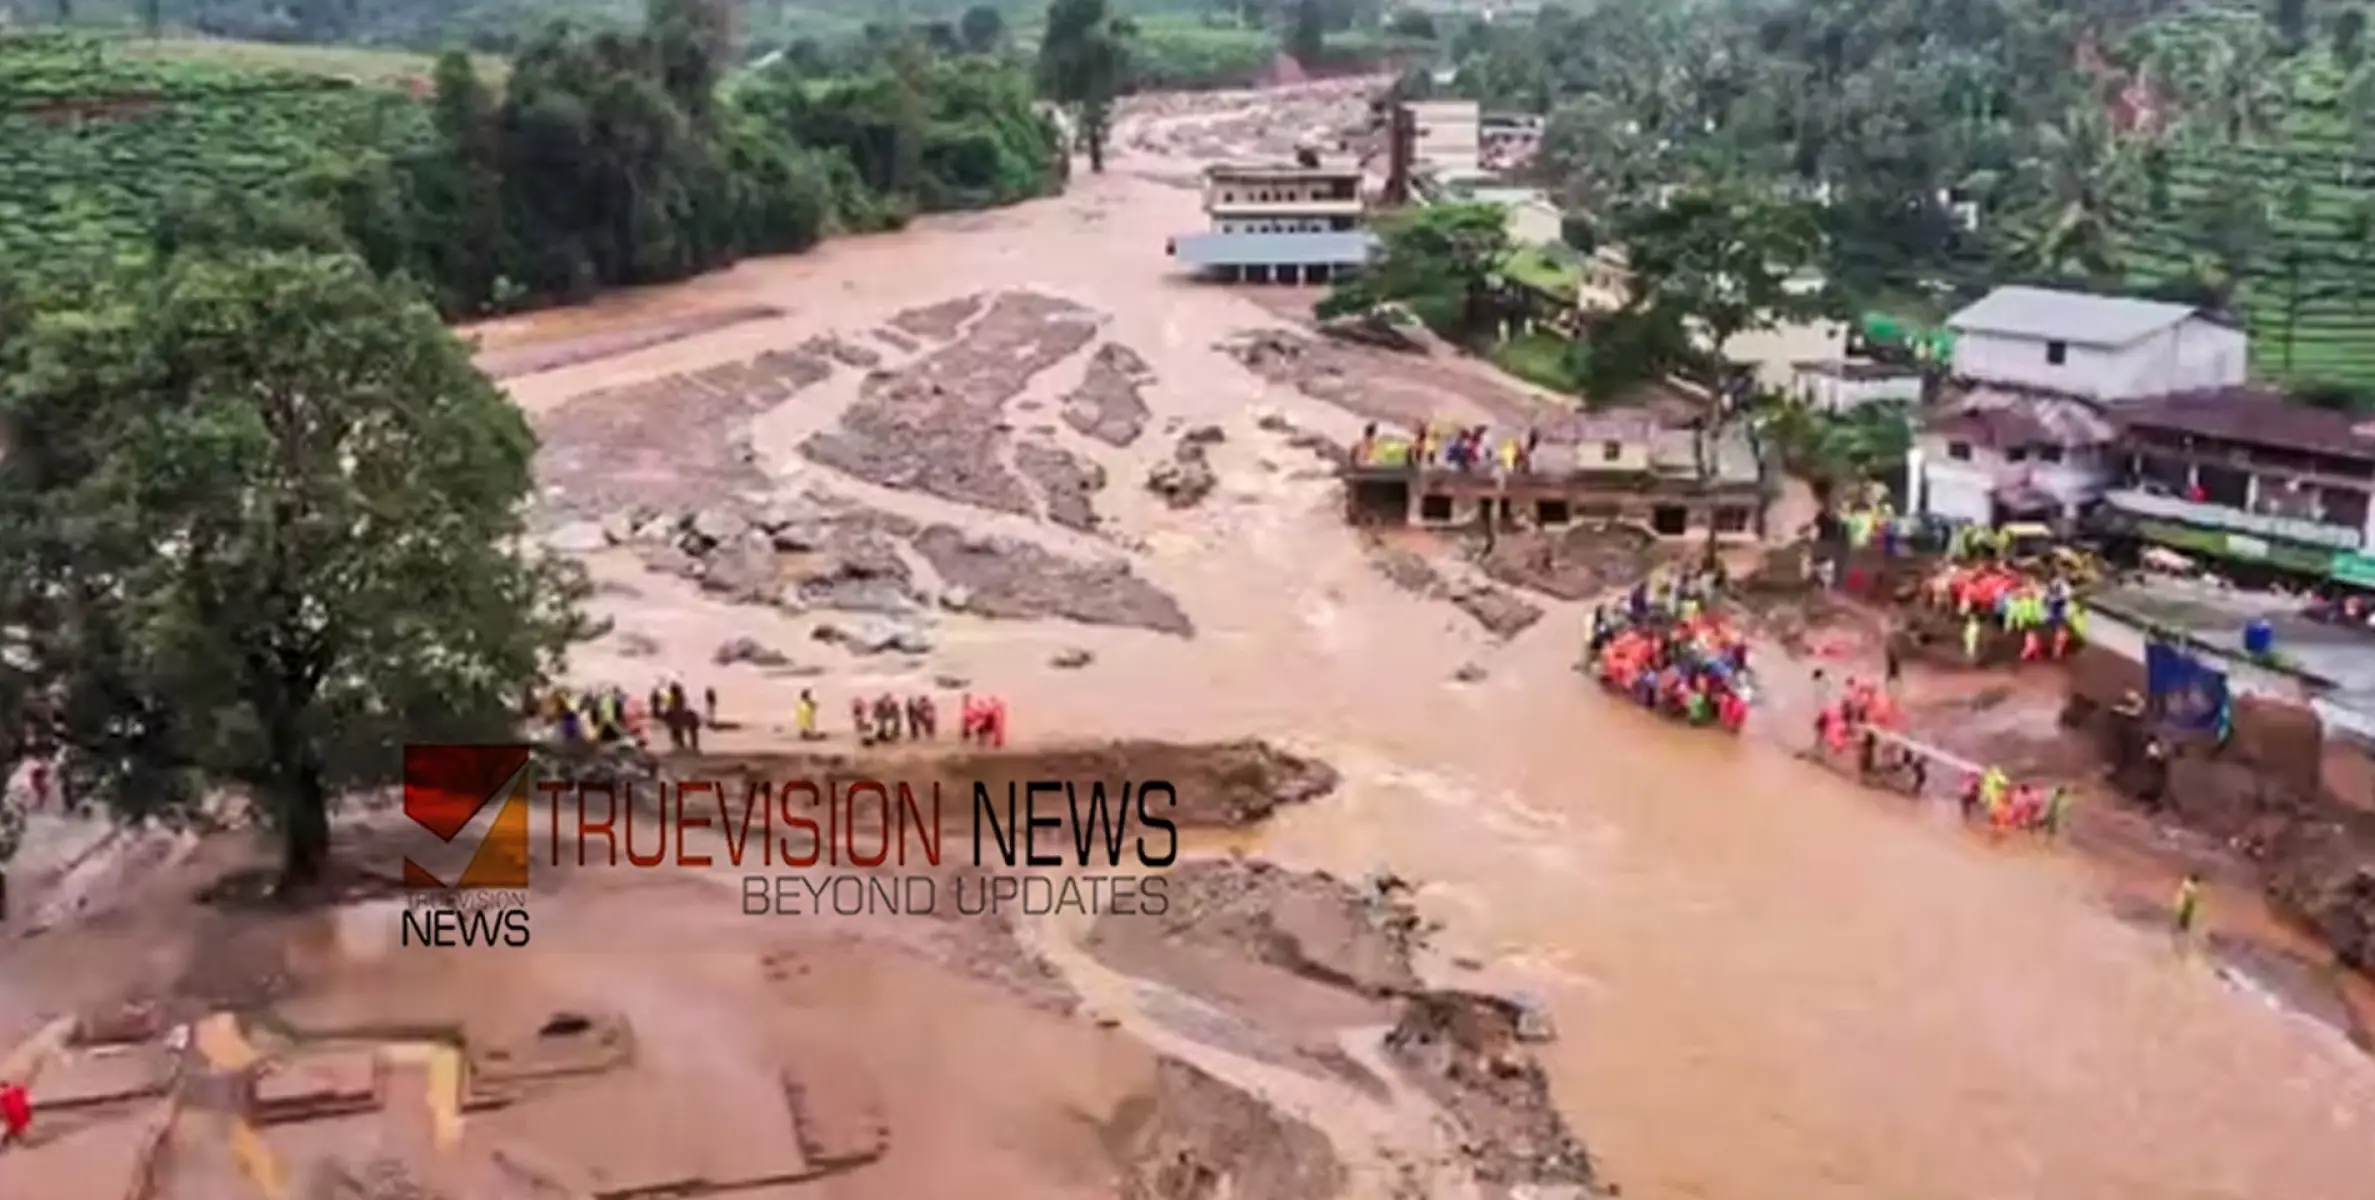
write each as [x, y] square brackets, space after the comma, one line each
[2078, 178]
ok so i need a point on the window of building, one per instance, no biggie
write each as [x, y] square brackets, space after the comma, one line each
[2057, 353]
[1434, 508]
[2346, 506]
[2223, 486]
[1669, 520]
[1611, 451]
[2017, 454]
[1731, 518]
[1959, 451]
[2051, 454]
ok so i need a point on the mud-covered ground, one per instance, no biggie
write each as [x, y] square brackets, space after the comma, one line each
[895, 1053]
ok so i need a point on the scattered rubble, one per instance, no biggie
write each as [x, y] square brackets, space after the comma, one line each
[1013, 579]
[1071, 658]
[1107, 405]
[1469, 673]
[748, 650]
[1197, 1138]
[869, 635]
[940, 322]
[669, 443]
[1067, 482]
[1309, 924]
[1186, 478]
[937, 426]
[1503, 614]
[847, 353]
[1463, 1049]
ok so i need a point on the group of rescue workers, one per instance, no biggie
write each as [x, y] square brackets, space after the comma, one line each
[1669, 651]
[611, 715]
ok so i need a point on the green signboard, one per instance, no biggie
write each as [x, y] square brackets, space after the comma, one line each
[2243, 547]
[2358, 570]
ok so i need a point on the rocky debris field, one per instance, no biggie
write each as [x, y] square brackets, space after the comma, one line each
[1108, 405]
[1272, 125]
[1194, 1137]
[671, 443]
[1581, 562]
[1464, 1050]
[1400, 391]
[819, 551]
[938, 425]
[1503, 613]
[1008, 578]
[1186, 478]
[1280, 963]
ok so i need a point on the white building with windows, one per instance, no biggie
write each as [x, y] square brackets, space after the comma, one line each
[2028, 431]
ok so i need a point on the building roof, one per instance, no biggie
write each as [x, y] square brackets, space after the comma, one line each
[1333, 249]
[2045, 314]
[1855, 371]
[1282, 171]
[2254, 416]
[2003, 418]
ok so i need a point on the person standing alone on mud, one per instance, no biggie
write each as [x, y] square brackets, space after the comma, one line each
[2186, 910]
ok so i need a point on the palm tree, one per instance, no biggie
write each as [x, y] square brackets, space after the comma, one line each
[2078, 177]
[2240, 96]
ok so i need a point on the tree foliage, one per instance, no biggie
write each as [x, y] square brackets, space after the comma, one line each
[260, 524]
[606, 158]
[1442, 262]
[1084, 64]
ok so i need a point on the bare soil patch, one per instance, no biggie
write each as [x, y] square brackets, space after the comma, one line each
[668, 443]
[1401, 390]
[513, 362]
[1106, 405]
[937, 426]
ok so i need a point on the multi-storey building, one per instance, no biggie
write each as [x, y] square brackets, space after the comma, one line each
[1279, 224]
[2248, 475]
[2039, 375]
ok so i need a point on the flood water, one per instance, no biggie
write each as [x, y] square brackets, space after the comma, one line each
[1769, 985]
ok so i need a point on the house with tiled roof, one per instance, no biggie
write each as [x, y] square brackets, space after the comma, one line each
[2026, 429]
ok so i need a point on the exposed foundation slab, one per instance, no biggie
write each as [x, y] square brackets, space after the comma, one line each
[83, 1079]
[836, 1115]
[313, 1086]
[627, 1139]
[568, 1044]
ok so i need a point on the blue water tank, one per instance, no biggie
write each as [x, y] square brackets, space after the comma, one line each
[2259, 638]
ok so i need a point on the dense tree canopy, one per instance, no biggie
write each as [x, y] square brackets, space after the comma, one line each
[2213, 151]
[260, 524]
[1084, 64]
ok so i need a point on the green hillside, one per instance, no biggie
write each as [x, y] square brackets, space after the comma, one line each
[2308, 293]
[101, 141]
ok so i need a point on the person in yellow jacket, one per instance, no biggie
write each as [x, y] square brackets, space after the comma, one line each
[804, 716]
[2186, 910]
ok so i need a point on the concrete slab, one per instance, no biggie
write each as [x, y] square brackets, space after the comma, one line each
[108, 1075]
[311, 1086]
[836, 1116]
[632, 1137]
[569, 1044]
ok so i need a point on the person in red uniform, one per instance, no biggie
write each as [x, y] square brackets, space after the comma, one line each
[16, 1113]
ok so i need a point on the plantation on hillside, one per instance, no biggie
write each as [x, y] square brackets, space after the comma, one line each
[2303, 274]
[102, 145]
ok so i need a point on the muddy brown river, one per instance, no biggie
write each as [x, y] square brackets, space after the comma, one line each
[1769, 985]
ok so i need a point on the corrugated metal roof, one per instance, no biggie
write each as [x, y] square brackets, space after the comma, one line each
[2074, 317]
[1332, 249]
